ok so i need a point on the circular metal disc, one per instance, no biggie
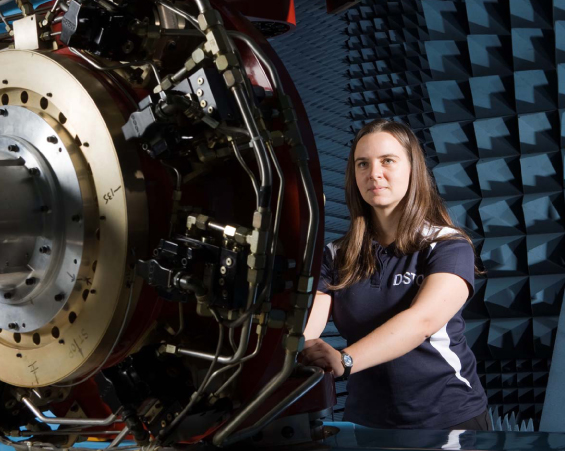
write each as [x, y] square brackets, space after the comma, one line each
[31, 295]
[67, 98]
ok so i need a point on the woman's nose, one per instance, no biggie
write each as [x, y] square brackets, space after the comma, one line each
[376, 172]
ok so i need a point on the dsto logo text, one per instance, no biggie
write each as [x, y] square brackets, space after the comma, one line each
[407, 278]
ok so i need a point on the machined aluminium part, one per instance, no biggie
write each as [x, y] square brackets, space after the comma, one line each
[65, 228]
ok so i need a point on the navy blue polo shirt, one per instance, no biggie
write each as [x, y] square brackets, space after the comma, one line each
[434, 386]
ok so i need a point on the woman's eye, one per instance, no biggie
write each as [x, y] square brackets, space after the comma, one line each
[361, 164]
[388, 161]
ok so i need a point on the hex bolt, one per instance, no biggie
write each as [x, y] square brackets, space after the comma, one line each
[44, 250]
[200, 81]
[229, 261]
[59, 297]
[223, 270]
[3, 112]
[52, 139]
[203, 103]
[34, 171]
[199, 93]
[13, 148]
[30, 281]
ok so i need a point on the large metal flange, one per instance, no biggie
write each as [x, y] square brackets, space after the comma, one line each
[42, 236]
[69, 222]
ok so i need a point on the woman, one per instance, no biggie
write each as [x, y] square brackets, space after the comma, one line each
[396, 284]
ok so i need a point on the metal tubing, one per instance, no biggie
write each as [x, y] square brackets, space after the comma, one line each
[263, 58]
[242, 163]
[225, 360]
[203, 5]
[119, 66]
[291, 398]
[55, 5]
[258, 146]
[243, 360]
[221, 436]
[69, 421]
[314, 219]
[8, 28]
[65, 432]
[196, 395]
[180, 12]
[119, 438]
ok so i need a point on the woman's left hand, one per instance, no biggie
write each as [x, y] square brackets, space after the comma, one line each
[318, 353]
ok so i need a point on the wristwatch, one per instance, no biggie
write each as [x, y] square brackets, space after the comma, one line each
[347, 362]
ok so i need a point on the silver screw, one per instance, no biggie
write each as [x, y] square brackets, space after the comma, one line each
[223, 270]
[199, 92]
[200, 81]
[203, 103]
[229, 261]
[210, 109]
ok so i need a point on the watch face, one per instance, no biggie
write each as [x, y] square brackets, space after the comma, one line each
[347, 360]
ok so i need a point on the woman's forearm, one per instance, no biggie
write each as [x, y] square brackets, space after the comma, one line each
[396, 337]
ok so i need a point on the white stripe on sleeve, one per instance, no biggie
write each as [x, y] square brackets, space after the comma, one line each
[440, 341]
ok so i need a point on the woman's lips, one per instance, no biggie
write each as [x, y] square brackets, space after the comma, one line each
[377, 189]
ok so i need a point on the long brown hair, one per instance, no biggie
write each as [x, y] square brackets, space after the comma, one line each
[422, 207]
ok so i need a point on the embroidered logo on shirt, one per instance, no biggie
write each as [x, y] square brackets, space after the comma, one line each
[407, 278]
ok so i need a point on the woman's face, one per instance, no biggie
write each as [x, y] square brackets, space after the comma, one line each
[382, 170]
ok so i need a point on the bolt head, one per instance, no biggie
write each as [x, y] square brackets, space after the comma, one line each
[199, 93]
[210, 109]
[203, 103]
[223, 270]
[229, 261]
[200, 81]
